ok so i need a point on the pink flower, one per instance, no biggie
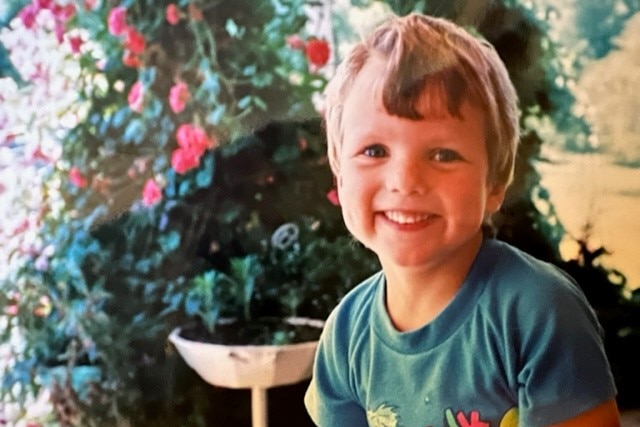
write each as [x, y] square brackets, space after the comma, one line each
[21, 228]
[192, 143]
[295, 42]
[58, 29]
[28, 15]
[43, 4]
[194, 139]
[76, 43]
[117, 21]
[63, 13]
[151, 192]
[173, 14]
[90, 4]
[38, 155]
[317, 52]
[130, 59]
[333, 197]
[136, 97]
[77, 178]
[183, 160]
[135, 41]
[179, 95]
[11, 310]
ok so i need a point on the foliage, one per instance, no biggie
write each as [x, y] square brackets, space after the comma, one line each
[599, 22]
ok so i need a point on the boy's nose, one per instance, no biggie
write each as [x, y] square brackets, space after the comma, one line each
[406, 176]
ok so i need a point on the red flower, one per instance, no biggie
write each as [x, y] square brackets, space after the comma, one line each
[135, 41]
[173, 14]
[130, 59]
[136, 97]
[77, 178]
[317, 52]
[151, 192]
[178, 97]
[183, 160]
[333, 197]
[117, 21]
[76, 43]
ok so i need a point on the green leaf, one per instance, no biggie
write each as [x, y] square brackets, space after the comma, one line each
[212, 83]
[233, 29]
[260, 103]
[134, 132]
[7, 69]
[148, 76]
[249, 70]
[153, 109]
[244, 102]
[120, 116]
[169, 242]
[216, 115]
[9, 9]
[203, 178]
[184, 189]
[262, 80]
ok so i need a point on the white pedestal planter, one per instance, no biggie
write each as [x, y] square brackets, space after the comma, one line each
[258, 367]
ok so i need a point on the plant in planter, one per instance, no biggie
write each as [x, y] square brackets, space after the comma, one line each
[222, 304]
[237, 341]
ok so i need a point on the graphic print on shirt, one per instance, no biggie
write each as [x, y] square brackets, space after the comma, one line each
[474, 419]
[386, 416]
[383, 416]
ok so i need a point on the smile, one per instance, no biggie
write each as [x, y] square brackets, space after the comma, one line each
[406, 217]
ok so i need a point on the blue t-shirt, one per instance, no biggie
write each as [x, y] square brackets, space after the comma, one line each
[518, 345]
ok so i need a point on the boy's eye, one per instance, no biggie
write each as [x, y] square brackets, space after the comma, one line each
[374, 151]
[446, 156]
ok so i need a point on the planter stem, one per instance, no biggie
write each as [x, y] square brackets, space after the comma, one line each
[259, 407]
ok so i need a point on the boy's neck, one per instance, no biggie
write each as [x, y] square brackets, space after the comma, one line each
[416, 295]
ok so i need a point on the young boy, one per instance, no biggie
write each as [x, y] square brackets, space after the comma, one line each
[458, 329]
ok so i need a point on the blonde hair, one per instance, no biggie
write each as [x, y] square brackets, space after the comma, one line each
[432, 64]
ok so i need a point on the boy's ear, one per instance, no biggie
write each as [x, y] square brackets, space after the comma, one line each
[495, 197]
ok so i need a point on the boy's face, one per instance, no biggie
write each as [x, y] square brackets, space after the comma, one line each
[414, 192]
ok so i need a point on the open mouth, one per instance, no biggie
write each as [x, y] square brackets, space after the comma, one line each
[406, 218]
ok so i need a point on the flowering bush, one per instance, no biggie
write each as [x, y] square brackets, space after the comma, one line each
[142, 186]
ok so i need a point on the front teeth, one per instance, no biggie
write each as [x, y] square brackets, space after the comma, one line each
[405, 218]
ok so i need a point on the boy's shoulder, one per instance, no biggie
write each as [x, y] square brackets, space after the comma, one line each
[508, 264]
[514, 278]
[355, 307]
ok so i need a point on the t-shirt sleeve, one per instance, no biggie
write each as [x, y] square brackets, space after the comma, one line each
[563, 366]
[329, 399]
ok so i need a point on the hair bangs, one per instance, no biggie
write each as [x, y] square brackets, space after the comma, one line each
[433, 96]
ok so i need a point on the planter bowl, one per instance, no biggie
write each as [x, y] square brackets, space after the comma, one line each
[249, 366]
